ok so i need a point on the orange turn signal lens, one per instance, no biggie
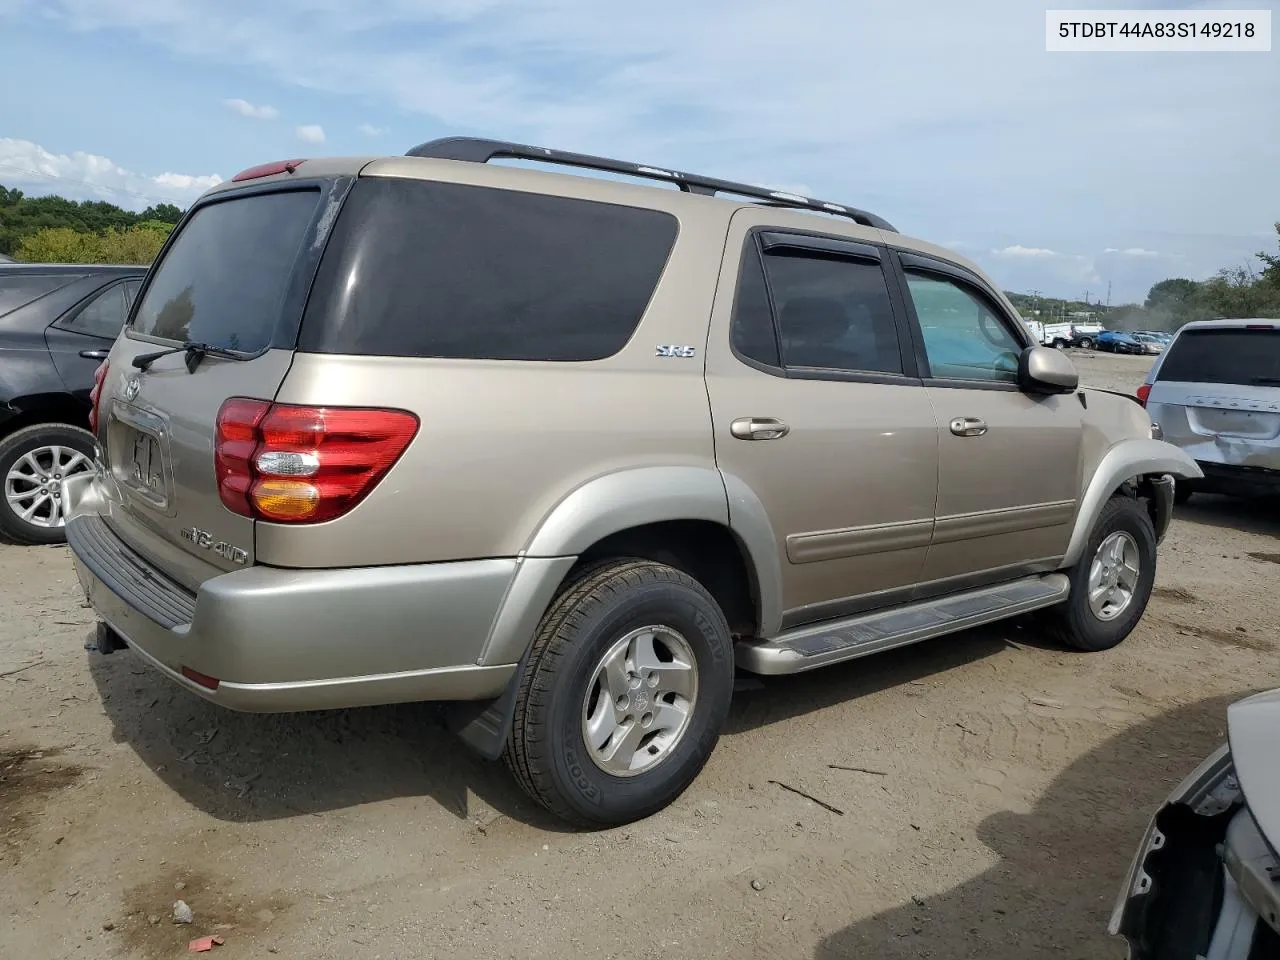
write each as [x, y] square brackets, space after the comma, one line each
[285, 499]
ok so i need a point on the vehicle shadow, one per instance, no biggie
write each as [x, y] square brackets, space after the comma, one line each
[761, 701]
[1260, 515]
[1064, 859]
[252, 767]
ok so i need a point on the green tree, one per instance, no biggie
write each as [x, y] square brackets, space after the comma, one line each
[137, 244]
[21, 216]
[1176, 295]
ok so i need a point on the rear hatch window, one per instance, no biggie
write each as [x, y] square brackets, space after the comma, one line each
[428, 269]
[224, 279]
[234, 278]
[1235, 356]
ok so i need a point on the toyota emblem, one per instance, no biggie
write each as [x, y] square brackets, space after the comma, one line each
[131, 387]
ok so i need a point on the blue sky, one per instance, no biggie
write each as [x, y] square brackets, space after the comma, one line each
[1056, 172]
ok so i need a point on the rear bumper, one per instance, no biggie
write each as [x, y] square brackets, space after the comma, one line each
[281, 640]
[1237, 480]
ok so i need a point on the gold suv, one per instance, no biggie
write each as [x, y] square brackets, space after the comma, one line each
[567, 452]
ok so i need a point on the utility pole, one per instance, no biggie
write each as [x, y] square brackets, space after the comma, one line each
[1108, 293]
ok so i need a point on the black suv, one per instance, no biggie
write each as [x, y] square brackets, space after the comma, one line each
[57, 322]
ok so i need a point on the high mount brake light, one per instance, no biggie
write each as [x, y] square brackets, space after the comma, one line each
[267, 170]
[298, 464]
[95, 395]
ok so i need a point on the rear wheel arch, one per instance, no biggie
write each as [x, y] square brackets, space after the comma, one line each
[45, 408]
[647, 498]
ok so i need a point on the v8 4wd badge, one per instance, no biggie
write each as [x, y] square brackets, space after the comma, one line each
[204, 540]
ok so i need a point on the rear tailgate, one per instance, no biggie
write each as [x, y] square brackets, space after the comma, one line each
[235, 277]
[1217, 395]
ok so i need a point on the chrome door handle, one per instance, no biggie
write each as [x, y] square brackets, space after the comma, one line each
[968, 427]
[94, 354]
[758, 428]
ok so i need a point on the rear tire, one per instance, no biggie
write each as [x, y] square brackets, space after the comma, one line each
[1111, 584]
[33, 461]
[596, 755]
[1086, 343]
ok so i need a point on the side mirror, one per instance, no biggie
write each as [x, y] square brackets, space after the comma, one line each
[1045, 370]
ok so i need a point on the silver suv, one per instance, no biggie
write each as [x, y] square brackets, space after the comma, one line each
[566, 451]
[1215, 391]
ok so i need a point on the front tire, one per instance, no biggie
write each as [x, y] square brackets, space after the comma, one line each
[627, 685]
[1111, 584]
[33, 462]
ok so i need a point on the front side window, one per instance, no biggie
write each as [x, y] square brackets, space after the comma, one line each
[819, 311]
[964, 338]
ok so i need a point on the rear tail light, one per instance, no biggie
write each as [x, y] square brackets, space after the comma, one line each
[1144, 392]
[95, 395]
[296, 464]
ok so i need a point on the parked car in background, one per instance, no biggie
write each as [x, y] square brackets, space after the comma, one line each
[1120, 341]
[57, 323]
[1150, 343]
[1205, 882]
[1083, 335]
[1215, 392]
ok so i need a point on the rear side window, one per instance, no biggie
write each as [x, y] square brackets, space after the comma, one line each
[1224, 356]
[18, 291]
[224, 279]
[103, 316]
[426, 269]
[830, 313]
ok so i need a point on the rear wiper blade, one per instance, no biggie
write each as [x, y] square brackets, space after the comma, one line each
[195, 353]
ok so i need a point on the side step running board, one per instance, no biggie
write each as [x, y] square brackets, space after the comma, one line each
[838, 640]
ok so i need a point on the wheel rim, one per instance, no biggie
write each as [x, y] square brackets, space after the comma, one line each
[1113, 576]
[640, 701]
[33, 485]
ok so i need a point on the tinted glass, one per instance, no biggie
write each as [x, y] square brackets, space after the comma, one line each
[103, 316]
[752, 331]
[131, 288]
[18, 291]
[424, 269]
[224, 279]
[833, 313]
[1224, 356]
[963, 336]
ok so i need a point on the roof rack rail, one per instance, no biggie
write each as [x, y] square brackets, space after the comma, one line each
[479, 150]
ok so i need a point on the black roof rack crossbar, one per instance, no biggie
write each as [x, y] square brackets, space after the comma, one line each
[478, 150]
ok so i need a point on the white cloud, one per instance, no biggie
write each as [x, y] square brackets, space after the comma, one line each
[1132, 252]
[310, 133]
[247, 109]
[620, 82]
[369, 130]
[1018, 250]
[87, 176]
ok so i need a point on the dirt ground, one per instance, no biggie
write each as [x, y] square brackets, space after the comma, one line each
[1005, 784]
